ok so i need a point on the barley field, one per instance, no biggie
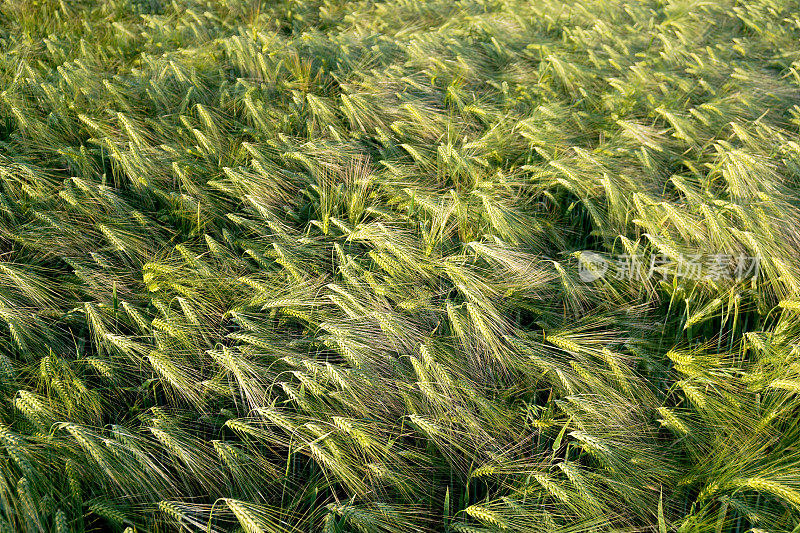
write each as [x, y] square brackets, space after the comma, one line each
[459, 266]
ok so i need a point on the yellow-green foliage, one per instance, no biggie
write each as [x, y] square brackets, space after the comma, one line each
[319, 265]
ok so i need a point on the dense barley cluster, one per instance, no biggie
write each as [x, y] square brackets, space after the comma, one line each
[316, 265]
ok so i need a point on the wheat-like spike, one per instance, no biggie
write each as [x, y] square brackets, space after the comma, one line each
[695, 395]
[28, 501]
[786, 384]
[775, 488]
[60, 522]
[426, 426]
[108, 511]
[248, 520]
[552, 487]
[485, 515]
[172, 510]
[73, 480]
[579, 482]
[670, 420]
[177, 377]
[564, 343]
